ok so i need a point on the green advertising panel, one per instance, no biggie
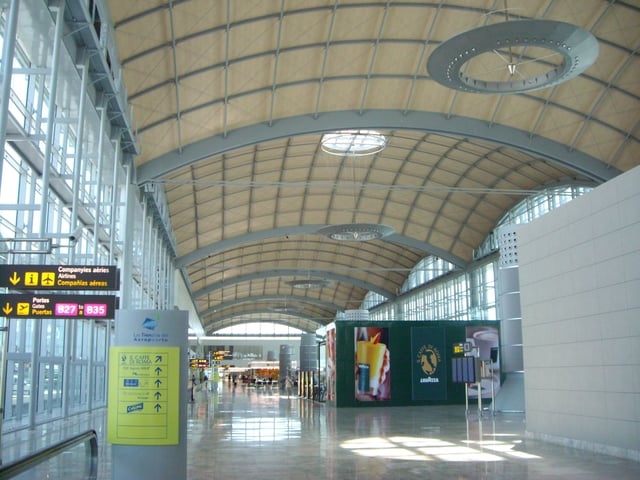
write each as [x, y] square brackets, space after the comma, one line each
[416, 365]
[429, 369]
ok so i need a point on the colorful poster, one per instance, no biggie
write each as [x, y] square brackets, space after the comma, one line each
[484, 342]
[372, 364]
[331, 363]
[429, 371]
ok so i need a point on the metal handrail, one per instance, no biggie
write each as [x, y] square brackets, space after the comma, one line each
[16, 467]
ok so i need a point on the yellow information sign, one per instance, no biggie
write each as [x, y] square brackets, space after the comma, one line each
[144, 395]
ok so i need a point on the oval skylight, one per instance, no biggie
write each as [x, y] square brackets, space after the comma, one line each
[356, 232]
[353, 143]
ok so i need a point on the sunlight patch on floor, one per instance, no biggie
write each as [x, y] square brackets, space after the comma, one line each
[430, 449]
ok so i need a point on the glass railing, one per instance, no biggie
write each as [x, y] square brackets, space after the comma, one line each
[71, 459]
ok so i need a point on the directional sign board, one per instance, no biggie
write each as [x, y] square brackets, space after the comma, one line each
[198, 363]
[143, 395]
[22, 305]
[59, 277]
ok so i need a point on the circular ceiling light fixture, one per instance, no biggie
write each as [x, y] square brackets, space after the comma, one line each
[356, 232]
[513, 57]
[353, 143]
[287, 308]
[309, 283]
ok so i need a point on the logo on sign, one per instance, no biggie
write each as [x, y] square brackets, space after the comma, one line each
[149, 324]
[151, 331]
[429, 358]
[135, 408]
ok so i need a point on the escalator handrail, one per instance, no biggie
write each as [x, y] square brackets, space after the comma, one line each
[16, 467]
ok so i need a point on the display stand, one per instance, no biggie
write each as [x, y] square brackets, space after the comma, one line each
[484, 371]
[487, 374]
[472, 352]
[466, 396]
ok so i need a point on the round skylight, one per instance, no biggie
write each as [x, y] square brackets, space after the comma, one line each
[356, 232]
[353, 143]
[309, 283]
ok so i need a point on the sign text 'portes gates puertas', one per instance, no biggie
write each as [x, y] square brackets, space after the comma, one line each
[59, 277]
[22, 305]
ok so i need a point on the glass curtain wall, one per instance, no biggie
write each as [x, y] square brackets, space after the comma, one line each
[437, 290]
[449, 294]
[65, 199]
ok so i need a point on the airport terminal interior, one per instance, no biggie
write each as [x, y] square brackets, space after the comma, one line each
[387, 239]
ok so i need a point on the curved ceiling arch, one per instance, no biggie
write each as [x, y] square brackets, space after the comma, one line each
[231, 103]
[251, 312]
[246, 253]
[228, 243]
[288, 299]
[305, 323]
[268, 16]
[373, 259]
[253, 237]
[289, 272]
[550, 150]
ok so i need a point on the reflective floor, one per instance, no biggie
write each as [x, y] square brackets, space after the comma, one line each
[255, 433]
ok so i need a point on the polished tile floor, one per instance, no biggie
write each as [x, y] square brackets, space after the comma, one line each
[247, 433]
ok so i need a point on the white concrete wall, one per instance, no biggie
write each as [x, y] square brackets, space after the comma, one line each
[580, 293]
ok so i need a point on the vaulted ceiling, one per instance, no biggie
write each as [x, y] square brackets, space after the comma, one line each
[231, 99]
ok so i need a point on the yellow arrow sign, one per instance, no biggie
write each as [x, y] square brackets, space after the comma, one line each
[15, 279]
[7, 309]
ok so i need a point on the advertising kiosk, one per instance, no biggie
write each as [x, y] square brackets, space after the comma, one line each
[399, 363]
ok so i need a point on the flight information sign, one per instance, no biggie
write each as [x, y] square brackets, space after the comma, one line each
[60, 277]
[20, 305]
[198, 363]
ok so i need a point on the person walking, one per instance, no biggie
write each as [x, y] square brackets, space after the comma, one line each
[288, 384]
[193, 387]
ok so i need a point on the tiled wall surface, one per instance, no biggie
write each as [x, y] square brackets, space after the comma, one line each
[580, 294]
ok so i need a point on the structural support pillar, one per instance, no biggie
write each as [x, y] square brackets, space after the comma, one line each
[51, 122]
[8, 50]
[511, 351]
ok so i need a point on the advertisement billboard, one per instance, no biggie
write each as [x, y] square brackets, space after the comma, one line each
[373, 364]
[429, 368]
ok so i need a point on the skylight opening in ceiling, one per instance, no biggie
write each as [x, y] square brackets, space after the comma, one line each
[356, 232]
[353, 143]
[309, 283]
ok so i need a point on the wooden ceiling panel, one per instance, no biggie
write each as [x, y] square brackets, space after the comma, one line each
[316, 60]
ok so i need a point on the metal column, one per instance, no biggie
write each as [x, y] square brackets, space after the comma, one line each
[8, 51]
[7, 64]
[511, 351]
[52, 109]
